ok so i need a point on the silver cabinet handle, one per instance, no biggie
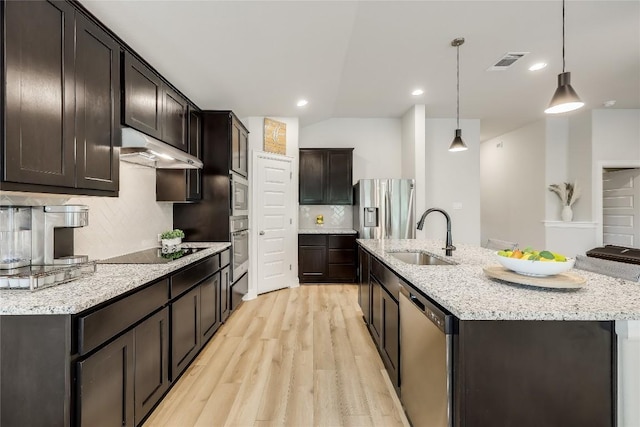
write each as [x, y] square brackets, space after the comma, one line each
[261, 233]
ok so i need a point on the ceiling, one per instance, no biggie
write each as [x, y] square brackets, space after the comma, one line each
[363, 58]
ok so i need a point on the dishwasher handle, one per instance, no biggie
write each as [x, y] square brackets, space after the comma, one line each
[439, 318]
[414, 299]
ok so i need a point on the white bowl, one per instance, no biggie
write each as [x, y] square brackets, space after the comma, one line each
[535, 268]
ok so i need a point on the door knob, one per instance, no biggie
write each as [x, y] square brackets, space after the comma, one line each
[262, 233]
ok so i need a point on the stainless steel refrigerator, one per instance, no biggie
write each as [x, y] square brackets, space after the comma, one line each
[384, 209]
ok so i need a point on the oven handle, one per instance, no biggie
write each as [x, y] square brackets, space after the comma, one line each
[238, 233]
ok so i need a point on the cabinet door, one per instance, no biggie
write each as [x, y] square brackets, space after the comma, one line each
[236, 135]
[97, 107]
[377, 323]
[105, 385]
[364, 287]
[151, 362]
[142, 97]
[185, 331]
[312, 177]
[390, 344]
[174, 119]
[194, 176]
[39, 145]
[209, 306]
[225, 293]
[339, 177]
[244, 159]
[312, 263]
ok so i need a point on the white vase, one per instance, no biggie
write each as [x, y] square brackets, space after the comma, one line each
[567, 213]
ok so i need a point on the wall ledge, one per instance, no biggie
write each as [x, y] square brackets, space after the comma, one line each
[570, 224]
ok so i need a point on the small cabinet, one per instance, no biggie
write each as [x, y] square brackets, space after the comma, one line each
[185, 331]
[105, 385]
[62, 101]
[209, 303]
[364, 285]
[142, 97]
[225, 293]
[174, 119]
[326, 176]
[326, 258]
[239, 144]
[151, 362]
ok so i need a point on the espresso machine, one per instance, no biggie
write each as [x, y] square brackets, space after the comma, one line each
[36, 245]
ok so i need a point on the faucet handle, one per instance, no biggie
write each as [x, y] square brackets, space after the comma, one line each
[449, 248]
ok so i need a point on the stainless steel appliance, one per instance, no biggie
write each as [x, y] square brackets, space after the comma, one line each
[52, 237]
[426, 389]
[239, 195]
[144, 150]
[384, 208]
[239, 246]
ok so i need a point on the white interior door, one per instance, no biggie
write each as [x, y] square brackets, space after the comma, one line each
[274, 212]
[621, 207]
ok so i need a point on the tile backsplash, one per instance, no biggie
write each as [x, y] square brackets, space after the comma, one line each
[335, 216]
[117, 225]
[128, 223]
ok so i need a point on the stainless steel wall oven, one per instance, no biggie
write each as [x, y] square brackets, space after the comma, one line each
[239, 246]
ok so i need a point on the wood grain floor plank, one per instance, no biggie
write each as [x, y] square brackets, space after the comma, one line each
[295, 357]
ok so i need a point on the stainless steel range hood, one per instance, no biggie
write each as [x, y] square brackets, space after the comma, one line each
[144, 150]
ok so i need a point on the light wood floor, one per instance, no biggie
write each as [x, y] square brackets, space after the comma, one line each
[294, 357]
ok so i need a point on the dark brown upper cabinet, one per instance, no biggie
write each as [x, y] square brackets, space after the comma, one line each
[152, 106]
[39, 145]
[183, 185]
[61, 118]
[97, 107]
[142, 97]
[326, 176]
[239, 144]
[174, 119]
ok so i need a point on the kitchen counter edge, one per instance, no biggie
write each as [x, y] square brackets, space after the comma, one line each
[108, 282]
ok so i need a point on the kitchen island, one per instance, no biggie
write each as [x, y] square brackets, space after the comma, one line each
[555, 345]
[104, 349]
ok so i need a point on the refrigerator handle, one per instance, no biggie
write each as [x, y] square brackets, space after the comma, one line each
[410, 231]
[387, 219]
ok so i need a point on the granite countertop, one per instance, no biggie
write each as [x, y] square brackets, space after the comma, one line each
[467, 293]
[326, 230]
[109, 281]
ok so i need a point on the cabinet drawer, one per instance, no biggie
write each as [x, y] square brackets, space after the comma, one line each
[225, 257]
[184, 280]
[312, 239]
[344, 272]
[342, 256]
[105, 323]
[342, 242]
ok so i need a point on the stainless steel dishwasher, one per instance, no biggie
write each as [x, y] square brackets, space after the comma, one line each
[426, 380]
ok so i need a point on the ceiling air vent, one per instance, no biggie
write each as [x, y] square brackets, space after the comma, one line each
[507, 60]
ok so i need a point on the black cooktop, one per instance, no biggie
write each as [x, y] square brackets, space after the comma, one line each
[150, 256]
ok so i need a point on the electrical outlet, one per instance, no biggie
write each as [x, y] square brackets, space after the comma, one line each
[457, 206]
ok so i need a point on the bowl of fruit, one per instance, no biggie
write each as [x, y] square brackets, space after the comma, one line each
[530, 262]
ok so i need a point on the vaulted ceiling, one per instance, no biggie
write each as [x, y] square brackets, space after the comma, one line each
[363, 58]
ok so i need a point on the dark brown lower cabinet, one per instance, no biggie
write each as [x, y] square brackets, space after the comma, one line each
[209, 300]
[364, 286]
[327, 258]
[376, 325]
[390, 344]
[105, 385]
[225, 293]
[185, 331]
[151, 362]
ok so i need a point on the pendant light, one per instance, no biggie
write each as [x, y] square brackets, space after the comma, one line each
[565, 98]
[458, 144]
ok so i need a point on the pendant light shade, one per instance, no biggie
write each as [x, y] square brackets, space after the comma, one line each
[457, 144]
[565, 98]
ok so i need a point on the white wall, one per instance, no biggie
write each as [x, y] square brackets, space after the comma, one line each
[556, 152]
[513, 186]
[413, 155]
[579, 163]
[377, 144]
[453, 178]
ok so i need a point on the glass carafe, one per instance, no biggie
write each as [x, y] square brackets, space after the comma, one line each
[15, 236]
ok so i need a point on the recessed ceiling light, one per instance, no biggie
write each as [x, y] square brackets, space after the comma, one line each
[302, 103]
[610, 103]
[417, 92]
[538, 66]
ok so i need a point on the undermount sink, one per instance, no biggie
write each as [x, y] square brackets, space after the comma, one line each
[419, 258]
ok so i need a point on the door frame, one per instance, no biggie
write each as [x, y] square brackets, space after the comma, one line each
[292, 241]
[596, 201]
